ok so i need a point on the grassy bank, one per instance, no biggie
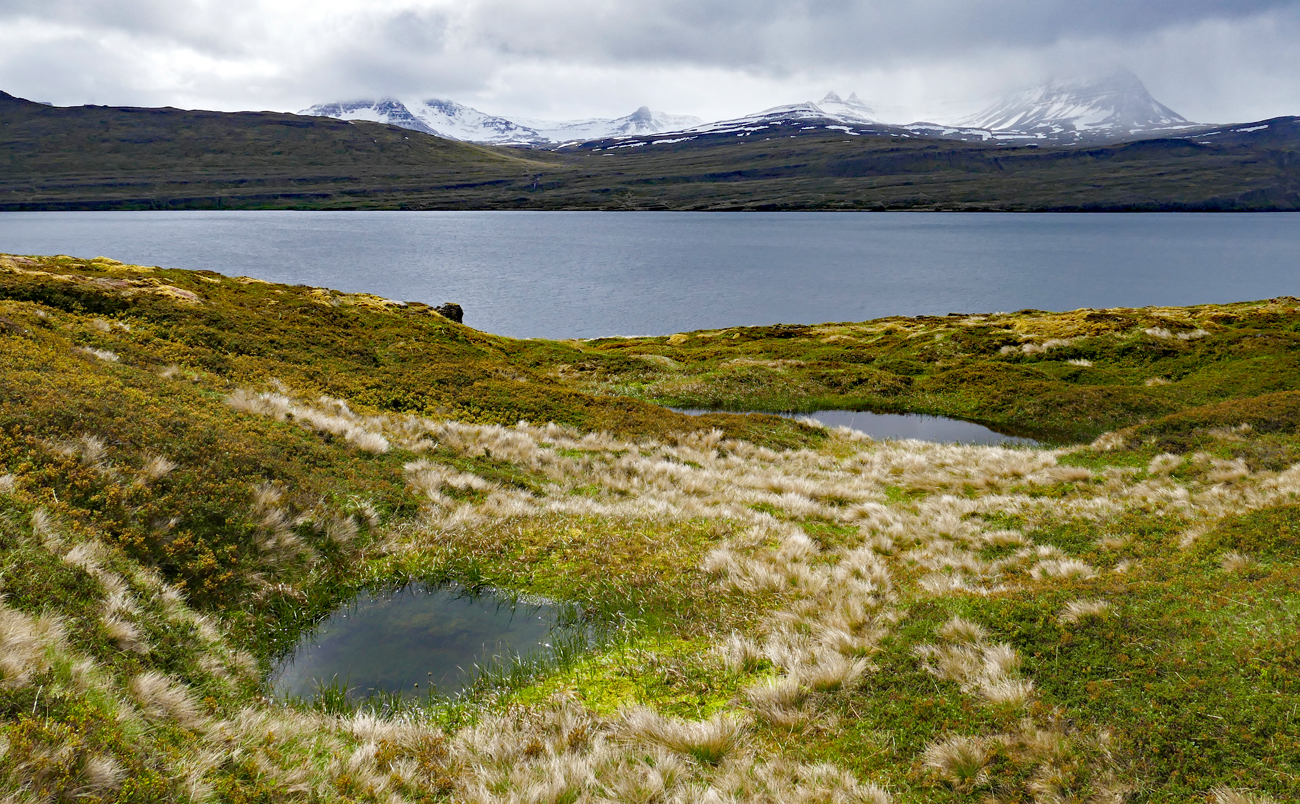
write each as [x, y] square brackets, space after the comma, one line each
[195, 468]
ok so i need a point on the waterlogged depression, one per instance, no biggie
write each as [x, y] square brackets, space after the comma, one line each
[419, 640]
[903, 426]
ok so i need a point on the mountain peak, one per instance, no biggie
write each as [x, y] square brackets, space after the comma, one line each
[446, 118]
[1107, 105]
[851, 110]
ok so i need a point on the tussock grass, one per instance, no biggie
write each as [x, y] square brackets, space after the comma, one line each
[1227, 795]
[805, 615]
[1077, 611]
[707, 742]
[959, 760]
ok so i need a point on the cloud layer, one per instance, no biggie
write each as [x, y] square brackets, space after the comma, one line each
[1211, 61]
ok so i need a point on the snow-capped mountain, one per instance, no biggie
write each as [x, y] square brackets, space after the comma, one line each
[833, 114]
[383, 111]
[1094, 110]
[1109, 107]
[459, 122]
[1100, 109]
[642, 121]
[830, 109]
[852, 110]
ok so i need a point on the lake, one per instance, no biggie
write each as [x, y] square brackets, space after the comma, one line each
[591, 274]
[419, 640]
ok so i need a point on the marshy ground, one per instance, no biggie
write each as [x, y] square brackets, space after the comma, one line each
[195, 469]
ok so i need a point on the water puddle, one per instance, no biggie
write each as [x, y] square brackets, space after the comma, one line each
[900, 426]
[421, 640]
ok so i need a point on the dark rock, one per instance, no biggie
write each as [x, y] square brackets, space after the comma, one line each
[452, 311]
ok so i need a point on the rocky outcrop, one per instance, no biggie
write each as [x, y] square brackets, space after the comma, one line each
[452, 311]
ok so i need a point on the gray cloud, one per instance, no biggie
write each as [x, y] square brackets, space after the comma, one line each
[1210, 60]
[765, 34]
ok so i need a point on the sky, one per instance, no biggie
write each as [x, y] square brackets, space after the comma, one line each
[564, 59]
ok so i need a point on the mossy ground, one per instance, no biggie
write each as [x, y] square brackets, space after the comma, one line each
[204, 567]
[1059, 375]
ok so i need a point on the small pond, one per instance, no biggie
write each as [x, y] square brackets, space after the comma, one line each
[420, 640]
[900, 426]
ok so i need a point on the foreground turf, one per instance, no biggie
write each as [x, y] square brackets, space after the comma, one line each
[195, 468]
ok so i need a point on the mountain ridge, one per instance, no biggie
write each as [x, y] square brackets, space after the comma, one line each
[1089, 110]
[447, 118]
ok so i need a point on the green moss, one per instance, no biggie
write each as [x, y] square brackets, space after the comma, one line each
[949, 366]
[681, 678]
[1191, 672]
[1270, 533]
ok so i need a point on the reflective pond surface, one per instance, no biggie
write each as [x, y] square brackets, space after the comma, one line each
[938, 429]
[420, 639]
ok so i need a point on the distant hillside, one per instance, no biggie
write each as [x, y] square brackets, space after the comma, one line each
[111, 158]
[105, 157]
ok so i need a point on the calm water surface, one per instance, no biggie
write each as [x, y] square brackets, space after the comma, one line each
[590, 274]
[901, 426]
[426, 636]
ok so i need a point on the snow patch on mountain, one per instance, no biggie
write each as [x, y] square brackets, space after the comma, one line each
[642, 121]
[388, 111]
[1109, 108]
[831, 108]
[1115, 105]
[459, 122]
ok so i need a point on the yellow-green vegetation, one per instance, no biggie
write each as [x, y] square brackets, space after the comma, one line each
[195, 468]
[1058, 375]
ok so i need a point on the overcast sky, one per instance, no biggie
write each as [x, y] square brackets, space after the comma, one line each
[1210, 61]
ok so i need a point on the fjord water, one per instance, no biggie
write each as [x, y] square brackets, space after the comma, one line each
[418, 639]
[592, 274]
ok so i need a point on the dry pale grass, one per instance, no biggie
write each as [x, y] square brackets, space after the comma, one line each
[708, 741]
[780, 701]
[1076, 611]
[125, 633]
[959, 760]
[101, 775]
[979, 667]
[162, 697]
[835, 602]
[741, 654]
[1228, 795]
[157, 467]
[102, 354]
[25, 643]
[1236, 562]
